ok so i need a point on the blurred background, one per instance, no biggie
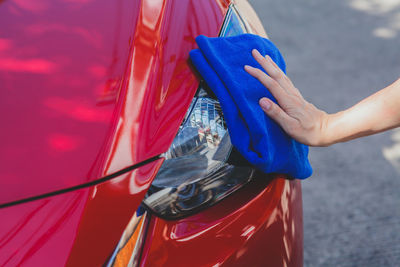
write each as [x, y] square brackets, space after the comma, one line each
[337, 53]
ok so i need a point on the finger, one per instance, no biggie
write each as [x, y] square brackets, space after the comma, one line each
[273, 70]
[269, 66]
[278, 115]
[292, 88]
[273, 86]
[269, 59]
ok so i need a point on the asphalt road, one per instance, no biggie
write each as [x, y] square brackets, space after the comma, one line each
[337, 53]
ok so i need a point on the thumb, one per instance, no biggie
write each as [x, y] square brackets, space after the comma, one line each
[276, 113]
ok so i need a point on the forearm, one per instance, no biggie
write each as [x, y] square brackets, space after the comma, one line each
[312, 126]
[376, 113]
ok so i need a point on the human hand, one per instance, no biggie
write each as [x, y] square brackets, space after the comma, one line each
[298, 118]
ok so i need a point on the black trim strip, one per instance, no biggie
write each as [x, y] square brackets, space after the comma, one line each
[73, 188]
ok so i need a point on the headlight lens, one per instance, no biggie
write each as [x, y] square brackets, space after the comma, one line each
[201, 146]
[196, 171]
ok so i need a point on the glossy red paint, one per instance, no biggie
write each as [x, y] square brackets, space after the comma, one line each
[61, 68]
[92, 87]
[160, 84]
[79, 228]
[261, 225]
[109, 208]
[41, 232]
[99, 86]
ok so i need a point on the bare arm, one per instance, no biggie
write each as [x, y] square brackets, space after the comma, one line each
[311, 126]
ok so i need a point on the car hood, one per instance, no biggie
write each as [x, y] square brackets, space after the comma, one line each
[91, 88]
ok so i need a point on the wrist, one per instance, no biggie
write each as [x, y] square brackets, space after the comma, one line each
[329, 133]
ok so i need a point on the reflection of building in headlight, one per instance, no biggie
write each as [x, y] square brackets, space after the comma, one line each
[206, 116]
[203, 127]
[185, 143]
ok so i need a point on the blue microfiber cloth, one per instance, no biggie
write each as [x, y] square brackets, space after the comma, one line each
[258, 138]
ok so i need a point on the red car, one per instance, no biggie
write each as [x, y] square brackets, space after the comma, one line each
[115, 153]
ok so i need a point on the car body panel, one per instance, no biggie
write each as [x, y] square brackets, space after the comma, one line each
[61, 66]
[260, 225]
[100, 86]
[73, 228]
[41, 232]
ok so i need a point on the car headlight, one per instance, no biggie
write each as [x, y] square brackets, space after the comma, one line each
[197, 171]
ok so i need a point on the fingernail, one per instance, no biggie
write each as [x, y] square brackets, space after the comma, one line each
[265, 104]
[247, 67]
[268, 57]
